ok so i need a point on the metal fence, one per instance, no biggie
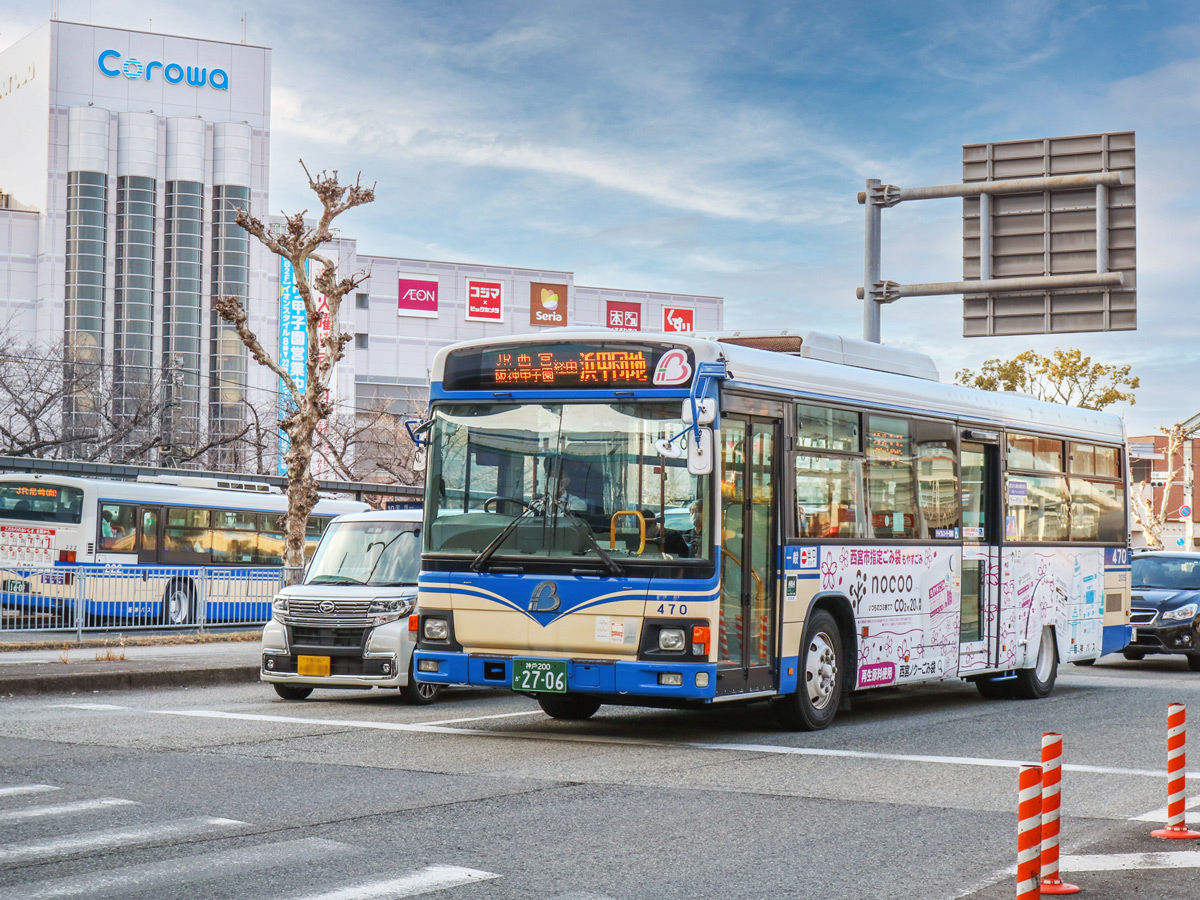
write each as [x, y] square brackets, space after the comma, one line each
[82, 598]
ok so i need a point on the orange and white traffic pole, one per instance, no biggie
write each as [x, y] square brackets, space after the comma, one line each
[1176, 775]
[1029, 831]
[1051, 883]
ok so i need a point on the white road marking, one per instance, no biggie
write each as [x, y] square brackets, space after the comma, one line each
[63, 809]
[528, 712]
[427, 880]
[111, 837]
[1111, 862]
[170, 873]
[17, 790]
[1160, 815]
[427, 728]
[84, 706]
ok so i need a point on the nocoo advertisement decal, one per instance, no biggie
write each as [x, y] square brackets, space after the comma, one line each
[418, 295]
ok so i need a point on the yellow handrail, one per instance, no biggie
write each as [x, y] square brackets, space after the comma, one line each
[612, 528]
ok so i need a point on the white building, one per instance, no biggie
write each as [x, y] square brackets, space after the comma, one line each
[124, 157]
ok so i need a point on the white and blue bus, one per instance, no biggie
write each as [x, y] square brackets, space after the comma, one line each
[160, 550]
[855, 524]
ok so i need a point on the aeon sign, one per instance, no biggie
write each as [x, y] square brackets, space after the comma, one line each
[109, 63]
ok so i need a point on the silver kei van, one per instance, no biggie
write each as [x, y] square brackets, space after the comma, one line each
[347, 624]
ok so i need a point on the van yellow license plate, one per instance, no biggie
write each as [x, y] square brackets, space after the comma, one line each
[317, 666]
[545, 675]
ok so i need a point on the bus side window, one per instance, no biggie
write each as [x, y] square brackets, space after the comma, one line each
[118, 528]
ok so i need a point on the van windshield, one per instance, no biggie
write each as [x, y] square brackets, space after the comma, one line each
[376, 553]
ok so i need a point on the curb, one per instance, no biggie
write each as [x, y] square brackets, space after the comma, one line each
[87, 682]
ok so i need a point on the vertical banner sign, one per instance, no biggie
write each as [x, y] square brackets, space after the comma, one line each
[418, 295]
[320, 466]
[293, 344]
[679, 319]
[547, 304]
[623, 315]
[485, 300]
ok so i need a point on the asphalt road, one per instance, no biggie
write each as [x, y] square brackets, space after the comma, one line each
[227, 791]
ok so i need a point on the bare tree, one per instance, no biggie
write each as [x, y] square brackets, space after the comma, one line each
[309, 405]
[370, 443]
[1151, 516]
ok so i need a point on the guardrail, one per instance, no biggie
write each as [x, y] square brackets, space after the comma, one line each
[80, 598]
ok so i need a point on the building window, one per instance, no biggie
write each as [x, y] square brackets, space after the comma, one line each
[362, 301]
[230, 278]
[360, 341]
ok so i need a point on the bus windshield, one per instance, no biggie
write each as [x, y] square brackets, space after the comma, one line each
[40, 502]
[378, 553]
[563, 480]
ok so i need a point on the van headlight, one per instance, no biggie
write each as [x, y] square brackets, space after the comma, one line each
[279, 609]
[1184, 612]
[436, 629]
[389, 609]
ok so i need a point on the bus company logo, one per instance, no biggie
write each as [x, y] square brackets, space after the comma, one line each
[876, 674]
[547, 304]
[418, 296]
[485, 300]
[679, 319]
[327, 607]
[544, 597]
[172, 73]
[673, 368]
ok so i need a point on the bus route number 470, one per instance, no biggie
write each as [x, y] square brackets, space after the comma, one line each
[546, 675]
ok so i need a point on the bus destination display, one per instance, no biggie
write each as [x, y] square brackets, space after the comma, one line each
[567, 366]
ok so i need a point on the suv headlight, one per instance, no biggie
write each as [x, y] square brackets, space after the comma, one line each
[279, 609]
[389, 609]
[436, 630]
[1184, 612]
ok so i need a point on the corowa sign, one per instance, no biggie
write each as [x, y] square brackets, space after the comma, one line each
[134, 69]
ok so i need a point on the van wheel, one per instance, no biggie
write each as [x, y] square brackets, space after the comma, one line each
[177, 604]
[418, 693]
[292, 691]
[572, 707]
[1038, 682]
[815, 702]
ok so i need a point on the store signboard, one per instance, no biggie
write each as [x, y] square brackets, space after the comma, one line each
[679, 319]
[485, 300]
[418, 295]
[623, 315]
[547, 304]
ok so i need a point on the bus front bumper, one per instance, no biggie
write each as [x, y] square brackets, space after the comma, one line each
[697, 681]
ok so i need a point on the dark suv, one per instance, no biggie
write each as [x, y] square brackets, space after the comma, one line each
[1165, 612]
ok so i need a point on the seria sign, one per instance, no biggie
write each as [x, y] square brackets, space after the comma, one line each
[109, 63]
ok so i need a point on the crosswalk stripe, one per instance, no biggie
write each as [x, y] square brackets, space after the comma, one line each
[427, 880]
[186, 870]
[18, 790]
[62, 809]
[111, 837]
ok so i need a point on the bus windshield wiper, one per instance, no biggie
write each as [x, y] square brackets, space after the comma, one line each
[535, 506]
[611, 565]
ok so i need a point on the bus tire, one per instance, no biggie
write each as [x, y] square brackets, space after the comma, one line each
[1038, 682]
[1133, 655]
[418, 693]
[571, 707]
[1083, 662]
[292, 691]
[178, 603]
[819, 691]
[991, 688]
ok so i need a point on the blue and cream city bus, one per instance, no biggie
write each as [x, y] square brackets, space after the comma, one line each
[854, 524]
[164, 549]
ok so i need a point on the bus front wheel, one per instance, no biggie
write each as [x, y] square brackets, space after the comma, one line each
[572, 707]
[819, 691]
[177, 604]
[1038, 682]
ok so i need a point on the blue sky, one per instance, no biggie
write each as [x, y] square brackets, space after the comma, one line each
[718, 148]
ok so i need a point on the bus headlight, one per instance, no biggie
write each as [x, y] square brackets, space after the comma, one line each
[670, 639]
[436, 629]
[279, 609]
[1184, 612]
[389, 609]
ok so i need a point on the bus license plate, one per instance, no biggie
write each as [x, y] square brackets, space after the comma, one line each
[545, 675]
[317, 666]
[16, 587]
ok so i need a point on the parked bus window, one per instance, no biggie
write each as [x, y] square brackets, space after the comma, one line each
[118, 531]
[1035, 454]
[890, 479]
[1037, 508]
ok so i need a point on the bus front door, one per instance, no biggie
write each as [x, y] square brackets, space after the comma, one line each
[747, 628]
[980, 611]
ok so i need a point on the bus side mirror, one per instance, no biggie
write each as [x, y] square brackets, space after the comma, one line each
[700, 452]
[420, 454]
[706, 411]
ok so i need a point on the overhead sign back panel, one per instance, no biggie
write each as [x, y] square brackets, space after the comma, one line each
[1051, 232]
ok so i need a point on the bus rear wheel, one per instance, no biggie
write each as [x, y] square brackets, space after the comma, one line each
[177, 604]
[572, 707]
[1038, 682]
[819, 691]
